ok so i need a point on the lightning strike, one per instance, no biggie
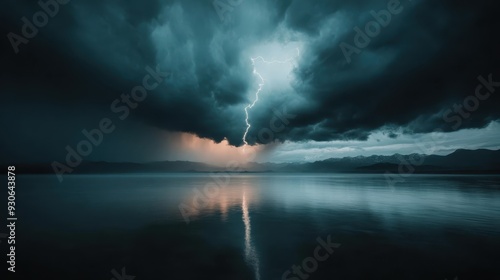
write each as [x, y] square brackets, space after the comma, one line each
[261, 86]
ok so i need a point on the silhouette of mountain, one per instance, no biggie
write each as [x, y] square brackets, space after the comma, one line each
[460, 161]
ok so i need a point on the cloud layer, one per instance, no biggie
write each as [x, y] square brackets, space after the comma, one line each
[425, 60]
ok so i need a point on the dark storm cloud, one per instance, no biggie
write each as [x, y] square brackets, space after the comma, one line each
[427, 59]
[424, 61]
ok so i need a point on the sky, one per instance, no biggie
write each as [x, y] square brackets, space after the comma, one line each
[310, 80]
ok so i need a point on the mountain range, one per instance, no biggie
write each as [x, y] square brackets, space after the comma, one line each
[458, 162]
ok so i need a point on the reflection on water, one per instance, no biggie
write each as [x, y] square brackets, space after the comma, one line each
[202, 201]
[224, 199]
[250, 251]
[256, 227]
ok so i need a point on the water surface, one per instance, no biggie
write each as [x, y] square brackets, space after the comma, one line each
[256, 226]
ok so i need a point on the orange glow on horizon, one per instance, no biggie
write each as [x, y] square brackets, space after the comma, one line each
[207, 150]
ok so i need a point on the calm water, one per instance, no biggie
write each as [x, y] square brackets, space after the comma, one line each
[258, 226]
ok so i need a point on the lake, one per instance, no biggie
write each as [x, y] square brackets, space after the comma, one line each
[257, 226]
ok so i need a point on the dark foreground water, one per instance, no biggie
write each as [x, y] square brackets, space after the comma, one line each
[257, 227]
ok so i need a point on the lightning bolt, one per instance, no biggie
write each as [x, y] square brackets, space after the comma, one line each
[261, 86]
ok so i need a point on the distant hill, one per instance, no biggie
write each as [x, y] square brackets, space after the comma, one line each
[460, 161]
